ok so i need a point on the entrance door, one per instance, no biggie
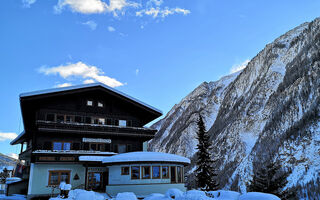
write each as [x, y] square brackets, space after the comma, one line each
[173, 174]
[95, 180]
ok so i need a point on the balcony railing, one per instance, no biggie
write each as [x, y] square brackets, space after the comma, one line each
[93, 128]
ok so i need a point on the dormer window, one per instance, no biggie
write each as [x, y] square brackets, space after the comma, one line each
[89, 103]
[100, 104]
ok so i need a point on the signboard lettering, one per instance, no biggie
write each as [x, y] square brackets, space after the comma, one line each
[96, 140]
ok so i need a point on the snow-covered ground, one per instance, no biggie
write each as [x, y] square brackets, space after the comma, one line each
[13, 197]
[171, 194]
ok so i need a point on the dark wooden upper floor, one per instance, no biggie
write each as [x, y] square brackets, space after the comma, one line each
[93, 109]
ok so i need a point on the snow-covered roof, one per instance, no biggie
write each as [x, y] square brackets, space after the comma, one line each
[92, 158]
[146, 157]
[61, 89]
[72, 152]
[17, 138]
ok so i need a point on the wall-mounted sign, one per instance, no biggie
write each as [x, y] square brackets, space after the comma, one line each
[97, 169]
[67, 158]
[96, 140]
[46, 158]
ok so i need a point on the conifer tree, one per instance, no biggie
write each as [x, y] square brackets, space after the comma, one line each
[3, 175]
[269, 179]
[205, 173]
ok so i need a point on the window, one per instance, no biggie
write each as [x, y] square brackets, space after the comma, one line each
[96, 147]
[124, 170]
[116, 122]
[107, 147]
[88, 120]
[146, 173]
[69, 118]
[89, 103]
[76, 146]
[56, 177]
[122, 123]
[93, 147]
[47, 146]
[115, 148]
[57, 146]
[50, 117]
[101, 121]
[129, 148]
[109, 121]
[122, 148]
[66, 146]
[179, 174]
[173, 174]
[135, 172]
[60, 118]
[61, 145]
[155, 172]
[78, 119]
[100, 104]
[95, 121]
[165, 172]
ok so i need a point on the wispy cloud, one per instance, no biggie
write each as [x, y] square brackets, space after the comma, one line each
[88, 81]
[239, 66]
[111, 29]
[154, 8]
[13, 155]
[91, 24]
[159, 12]
[94, 6]
[28, 3]
[151, 3]
[81, 70]
[7, 136]
[63, 85]
[137, 72]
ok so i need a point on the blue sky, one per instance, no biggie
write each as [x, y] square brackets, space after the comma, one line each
[154, 50]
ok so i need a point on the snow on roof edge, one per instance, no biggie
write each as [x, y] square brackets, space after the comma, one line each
[53, 90]
[142, 156]
[92, 158]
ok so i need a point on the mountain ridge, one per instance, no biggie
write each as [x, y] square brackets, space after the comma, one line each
[253, 115]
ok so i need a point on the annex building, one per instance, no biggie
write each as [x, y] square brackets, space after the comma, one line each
[92, 137]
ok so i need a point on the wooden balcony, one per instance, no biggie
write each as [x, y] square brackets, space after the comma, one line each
[99, 129]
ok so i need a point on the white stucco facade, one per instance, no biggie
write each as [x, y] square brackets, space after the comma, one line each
[39, 177]
[142, 186]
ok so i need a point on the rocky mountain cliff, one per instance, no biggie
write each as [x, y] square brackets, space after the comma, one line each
[268, 111]
[7, 161]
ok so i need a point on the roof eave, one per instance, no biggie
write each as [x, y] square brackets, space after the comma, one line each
[15, 140]
[56, 90]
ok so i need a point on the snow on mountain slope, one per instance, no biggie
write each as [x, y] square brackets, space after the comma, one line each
[179, 125]
[269, 111]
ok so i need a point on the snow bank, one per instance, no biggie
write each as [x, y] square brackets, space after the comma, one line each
[194, 195]
[173, 193]
[126, 196]
[258, 196]
[224, 195]
[79, 194]
[156, 196]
